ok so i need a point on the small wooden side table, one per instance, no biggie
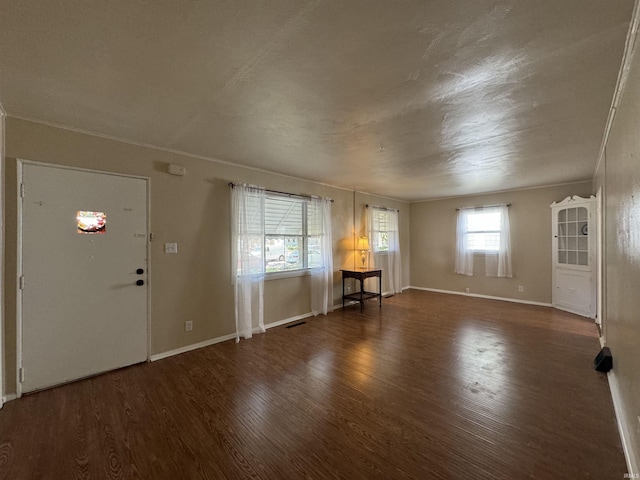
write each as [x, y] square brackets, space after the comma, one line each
[362, 295]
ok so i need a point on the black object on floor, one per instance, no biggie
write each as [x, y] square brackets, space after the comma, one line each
[603, 361]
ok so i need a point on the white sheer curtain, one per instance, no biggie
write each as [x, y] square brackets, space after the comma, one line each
[394, 263]
[498, 264]
[247, 258]
[372, 229]
[464, 255]
[319, 225]
[384, 238]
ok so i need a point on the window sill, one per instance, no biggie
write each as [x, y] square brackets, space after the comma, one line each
[289, 274]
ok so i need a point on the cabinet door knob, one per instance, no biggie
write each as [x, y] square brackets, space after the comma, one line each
[140, 271]
[140, 282]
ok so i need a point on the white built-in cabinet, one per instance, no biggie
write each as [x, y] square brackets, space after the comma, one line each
[574, 255]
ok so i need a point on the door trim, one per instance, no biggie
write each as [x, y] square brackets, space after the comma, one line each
[19, 254]
[2, 259]
[600, 284]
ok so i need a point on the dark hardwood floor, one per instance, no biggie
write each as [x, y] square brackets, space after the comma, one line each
[431, 386]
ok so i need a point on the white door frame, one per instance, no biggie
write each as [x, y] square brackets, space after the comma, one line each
[19, 272]
[600, 261]
[2, 134]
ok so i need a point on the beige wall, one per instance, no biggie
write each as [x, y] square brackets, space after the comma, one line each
[433, 233]
[620, 177]
[194, 212]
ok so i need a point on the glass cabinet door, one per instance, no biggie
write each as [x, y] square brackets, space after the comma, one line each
[573, 236]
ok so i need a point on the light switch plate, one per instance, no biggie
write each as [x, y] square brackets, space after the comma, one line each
[170, 248]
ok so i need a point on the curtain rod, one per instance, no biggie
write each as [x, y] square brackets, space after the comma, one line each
[231, 184]
[487, 206]
[382, 208]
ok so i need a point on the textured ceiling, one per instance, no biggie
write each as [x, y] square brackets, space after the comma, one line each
[407, 99]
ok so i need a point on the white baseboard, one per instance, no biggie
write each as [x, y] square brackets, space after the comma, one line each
[575, 311]
[224, 338]
[194, 346]
[633, 462]
[504, 299]
[9, 397]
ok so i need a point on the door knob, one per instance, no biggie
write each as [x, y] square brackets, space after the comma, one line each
[140, 271]
[140, 282]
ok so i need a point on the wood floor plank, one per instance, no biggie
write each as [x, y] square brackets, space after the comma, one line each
[431, 386]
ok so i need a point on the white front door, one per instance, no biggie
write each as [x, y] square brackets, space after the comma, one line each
[84, 274]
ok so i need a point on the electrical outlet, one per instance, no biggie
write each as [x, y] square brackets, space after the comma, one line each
[188, 326]
[466, 290]
[348, 288]
[520, 288]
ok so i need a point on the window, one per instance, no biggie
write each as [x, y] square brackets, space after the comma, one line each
[379, 230]
[281, 233]
[277, 233]
[291, 234]
[573, 236]
[484, 230]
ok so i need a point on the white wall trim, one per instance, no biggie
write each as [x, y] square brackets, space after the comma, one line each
[633, 462]
[575, 312]
[180, 152]
[194, 346]
[549, 185]
[18, 179]
[489, 297]
[9, 397]
[625, 429]
[623, 74]
[262, 170]
[231, 336]
[2, 153]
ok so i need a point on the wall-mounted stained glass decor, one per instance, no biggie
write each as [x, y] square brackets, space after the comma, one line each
[92, 223]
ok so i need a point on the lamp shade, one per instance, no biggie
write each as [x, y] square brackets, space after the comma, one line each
[363, 243]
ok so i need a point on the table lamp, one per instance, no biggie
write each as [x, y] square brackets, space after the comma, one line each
[363, 246]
